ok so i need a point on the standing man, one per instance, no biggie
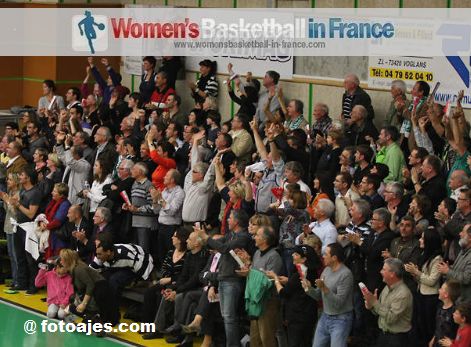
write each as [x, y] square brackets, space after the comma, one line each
[354, 95]
[231, 286]
[335, 288]
[394, 306]
[26, 209]
[168, 205]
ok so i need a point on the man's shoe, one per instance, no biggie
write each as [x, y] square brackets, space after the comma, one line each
[173, 330]
[152, 336]
[174, 339]
[31, 291]
[18, 287]
[187, 342]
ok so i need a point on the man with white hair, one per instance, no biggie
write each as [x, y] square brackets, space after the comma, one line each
[398, 104]
[458, 180]
[322, 121]
[354, 95]
[323, 227]
[360, 127]
[143, 217]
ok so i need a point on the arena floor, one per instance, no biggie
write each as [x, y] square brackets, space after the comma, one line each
[16, 309]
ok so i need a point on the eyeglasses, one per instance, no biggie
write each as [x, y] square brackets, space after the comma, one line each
[463, 199]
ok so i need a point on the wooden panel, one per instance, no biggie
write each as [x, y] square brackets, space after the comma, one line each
[11, 66]
[31, 92]
[10, 93]
[39, 67]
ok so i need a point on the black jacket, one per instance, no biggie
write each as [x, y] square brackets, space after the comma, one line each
[189, 278]
[372, 250]
[360, 97]
[65, 234]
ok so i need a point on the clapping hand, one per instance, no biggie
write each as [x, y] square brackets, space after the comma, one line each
[443, 267]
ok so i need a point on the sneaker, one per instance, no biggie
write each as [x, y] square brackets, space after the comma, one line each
[31, 291]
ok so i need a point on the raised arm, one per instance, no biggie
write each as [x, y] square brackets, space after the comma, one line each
[262, 151]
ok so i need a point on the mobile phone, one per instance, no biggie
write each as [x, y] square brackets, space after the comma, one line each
[363, 287]
[198, 225]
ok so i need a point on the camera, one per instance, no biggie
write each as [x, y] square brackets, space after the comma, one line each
[50, 264]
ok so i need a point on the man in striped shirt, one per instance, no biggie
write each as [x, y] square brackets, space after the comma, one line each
[121, 264]
[354, 95]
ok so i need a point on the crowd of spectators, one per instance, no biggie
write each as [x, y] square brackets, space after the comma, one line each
[346, 231]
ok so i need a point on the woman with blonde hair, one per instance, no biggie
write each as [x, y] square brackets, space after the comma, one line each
[237, 195]
[13, 188]
[55, 167]
[257, 221]
[92, 291]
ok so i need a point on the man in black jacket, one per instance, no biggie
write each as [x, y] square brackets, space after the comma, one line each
[121, 220]
[74, 230]
[104, 148]
[354, 95]
[361, 127]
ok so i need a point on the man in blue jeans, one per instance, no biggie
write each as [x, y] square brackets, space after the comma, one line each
[231, 286]
[335, 286]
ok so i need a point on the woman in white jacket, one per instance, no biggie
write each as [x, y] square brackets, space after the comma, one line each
[428, 279]
[101, 177]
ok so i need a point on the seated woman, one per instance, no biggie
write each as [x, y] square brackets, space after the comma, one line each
[92, 297]
[171, 268]
[56, 214]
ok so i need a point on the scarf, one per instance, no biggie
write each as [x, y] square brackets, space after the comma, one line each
[229, 207]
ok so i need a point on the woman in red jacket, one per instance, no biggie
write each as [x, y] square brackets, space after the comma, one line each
[162, 155]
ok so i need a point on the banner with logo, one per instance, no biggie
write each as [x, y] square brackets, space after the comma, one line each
[241, 65]
[453, 73]
[235, 32]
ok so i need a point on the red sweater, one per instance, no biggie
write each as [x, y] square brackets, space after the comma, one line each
[463, 337]
[163, 165]
[161, 96]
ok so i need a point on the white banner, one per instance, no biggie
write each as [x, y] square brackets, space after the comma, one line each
[383, 70]
[235, 32]
[257, 65]
[133, 65]
[453, 73]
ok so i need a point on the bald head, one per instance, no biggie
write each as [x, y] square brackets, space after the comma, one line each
[458, 178]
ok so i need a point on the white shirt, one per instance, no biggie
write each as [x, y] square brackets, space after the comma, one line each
[12, 160]
[326, 231]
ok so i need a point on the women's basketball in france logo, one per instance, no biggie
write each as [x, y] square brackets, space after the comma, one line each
[89, 33]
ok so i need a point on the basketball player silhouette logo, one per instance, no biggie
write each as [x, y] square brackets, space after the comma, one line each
[88, 24]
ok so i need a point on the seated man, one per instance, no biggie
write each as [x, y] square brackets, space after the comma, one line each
[121, 264]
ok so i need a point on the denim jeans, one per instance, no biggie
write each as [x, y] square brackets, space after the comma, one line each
[333, 330]
[12, 255]
[230, 295]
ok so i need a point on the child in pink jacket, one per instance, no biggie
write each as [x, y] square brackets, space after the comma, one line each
[59, 289]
